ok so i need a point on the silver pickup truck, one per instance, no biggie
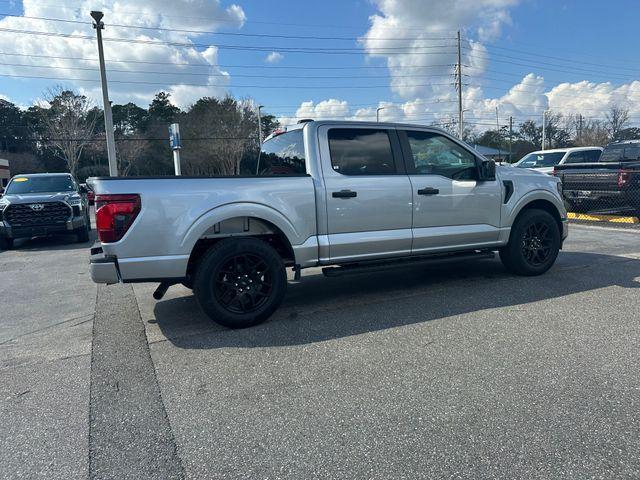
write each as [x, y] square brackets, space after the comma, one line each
[349, 196]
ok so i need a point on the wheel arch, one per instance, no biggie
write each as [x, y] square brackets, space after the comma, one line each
[241, 226]
[540, 204]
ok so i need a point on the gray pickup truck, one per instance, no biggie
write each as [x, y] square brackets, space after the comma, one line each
[349, 196]
[43, 204]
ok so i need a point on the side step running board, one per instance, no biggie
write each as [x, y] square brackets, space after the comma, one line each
[382, 265]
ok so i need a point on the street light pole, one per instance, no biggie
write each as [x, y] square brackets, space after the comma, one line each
[108, 119]
[259, 139]
[378, 113]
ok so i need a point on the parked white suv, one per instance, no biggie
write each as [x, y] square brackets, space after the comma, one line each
[544, 160]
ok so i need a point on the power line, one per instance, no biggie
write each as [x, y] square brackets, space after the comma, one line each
[307, 50]
[532, 63]
[236, 34]
[92, 69]
[564, 59]
[222, 20]
[134, 82]
[287, 67]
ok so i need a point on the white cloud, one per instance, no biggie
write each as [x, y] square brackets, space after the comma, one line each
[327, 109]
[594, 99]
[417, 40]
[206, 15]
[274, 57]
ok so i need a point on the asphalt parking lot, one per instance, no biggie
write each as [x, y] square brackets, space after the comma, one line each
[428, 372]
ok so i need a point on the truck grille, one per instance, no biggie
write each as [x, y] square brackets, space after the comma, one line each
[52, 213]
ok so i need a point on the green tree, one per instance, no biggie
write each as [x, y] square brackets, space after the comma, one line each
[130, 118]
[161, 110]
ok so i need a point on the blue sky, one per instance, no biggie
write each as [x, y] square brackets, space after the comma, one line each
[525, 56]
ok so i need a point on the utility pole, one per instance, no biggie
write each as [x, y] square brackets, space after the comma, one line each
[544, 130]
[259, 139]
[498, 132]
[580, 127]
[510, 137]
[459, 79]
[108, 120]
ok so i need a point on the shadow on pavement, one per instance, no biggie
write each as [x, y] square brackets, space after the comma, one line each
[53, 242]
[322, 308]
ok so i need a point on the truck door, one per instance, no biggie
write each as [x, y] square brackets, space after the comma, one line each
[452, 209]
[368, 194]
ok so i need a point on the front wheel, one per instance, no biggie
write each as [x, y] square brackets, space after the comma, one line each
[240, 282]
[533, 245]
[82, 234]
[6, 243]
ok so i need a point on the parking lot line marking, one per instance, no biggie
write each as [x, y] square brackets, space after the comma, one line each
[129, 431]
[602, 218]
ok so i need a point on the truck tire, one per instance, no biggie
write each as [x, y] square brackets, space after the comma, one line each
[83, 234]
[6, 243]
[240, 282]
[533, 245]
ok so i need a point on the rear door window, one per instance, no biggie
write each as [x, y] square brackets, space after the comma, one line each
[283, 155]
[576, 157]
[592, 155]
[361, 151]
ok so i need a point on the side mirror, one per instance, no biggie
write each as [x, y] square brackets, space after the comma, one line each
[487, 171]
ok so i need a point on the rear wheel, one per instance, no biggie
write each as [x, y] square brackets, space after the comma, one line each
[533, 245]
[240, 282]
[6, 243]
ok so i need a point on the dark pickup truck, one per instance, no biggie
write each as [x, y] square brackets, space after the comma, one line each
[612, 183]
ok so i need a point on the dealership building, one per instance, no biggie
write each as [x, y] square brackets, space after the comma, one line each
[4, 172]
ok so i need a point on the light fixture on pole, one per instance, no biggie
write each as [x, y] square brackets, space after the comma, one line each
[378, 113]
[108, 120]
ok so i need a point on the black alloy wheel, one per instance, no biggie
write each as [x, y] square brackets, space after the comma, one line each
[534, 243]
[537, 243]
[243, 283]
[240, 282]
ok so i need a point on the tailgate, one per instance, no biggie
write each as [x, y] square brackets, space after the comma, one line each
[588, 176]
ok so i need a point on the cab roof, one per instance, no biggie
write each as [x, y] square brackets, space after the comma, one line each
[29, 175]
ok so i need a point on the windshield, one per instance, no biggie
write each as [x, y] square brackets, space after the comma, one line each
[56, 183]
[283, 155]
[537, 160]
[621, 153]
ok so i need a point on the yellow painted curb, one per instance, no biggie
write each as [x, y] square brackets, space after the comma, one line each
[603, 218]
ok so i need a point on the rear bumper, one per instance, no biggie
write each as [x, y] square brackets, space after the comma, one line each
[69, 226]
[103, 268]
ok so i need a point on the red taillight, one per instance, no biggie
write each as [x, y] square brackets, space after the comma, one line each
[623, 178]
[115, 214]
